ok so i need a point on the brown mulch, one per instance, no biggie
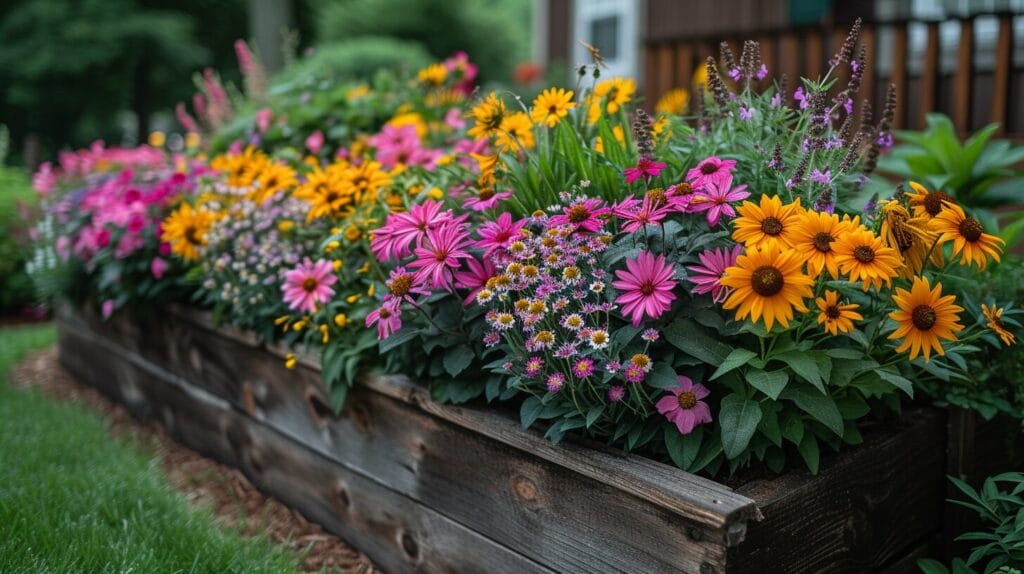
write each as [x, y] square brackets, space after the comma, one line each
[234, 501]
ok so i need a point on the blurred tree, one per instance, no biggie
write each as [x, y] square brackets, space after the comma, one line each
[67, 67]
[495, 33]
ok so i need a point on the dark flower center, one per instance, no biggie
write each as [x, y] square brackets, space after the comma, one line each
[933, 202]
[771, 225]
[579, 214]
[923, 317]
[486, 194]
[971, 229]
[361, 182]
[833, 312]
[647, 288]
[687, 400]
[384, 313]
[400, 285]
[864, 253]
[683, 189]
[309, 285]
[766, 281]
[552, 109]
[823, 242]
[708, 168]
[192, 234]
[657, 196]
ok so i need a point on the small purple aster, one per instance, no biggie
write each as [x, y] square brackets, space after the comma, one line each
[616, 393]
[746, 114]
[613, 367]
[534, 365]
[822, 177]
[555, 382]
[650, 335]
[583, 368]
[635, 374]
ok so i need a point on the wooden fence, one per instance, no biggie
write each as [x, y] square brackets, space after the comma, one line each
[971, 96]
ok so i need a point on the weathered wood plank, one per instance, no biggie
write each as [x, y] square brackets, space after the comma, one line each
[964, 77]
[899, 73]
[929, 75]
[538, 506]
[684, 68]
[864, 509]
[399, 534]
[1003, 70]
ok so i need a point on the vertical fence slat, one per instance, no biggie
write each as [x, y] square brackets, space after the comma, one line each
[789, 62]
[929, 75]
[666, 71]
[1001, 75]
[867, 85]
[899, 72]
[650, 73]
[684, 65]
[813, 53]
[964, 75]
[768, 57]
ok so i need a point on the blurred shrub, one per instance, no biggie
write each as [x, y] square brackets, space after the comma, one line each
[16, 195]
[495, 33]
[358, 58]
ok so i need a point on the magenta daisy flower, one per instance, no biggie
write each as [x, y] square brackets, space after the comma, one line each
[715, 197]
[684, 406]
[712, 170]
[534, 365]
[495, 235]
[486, 199]
[475, 277]
[308, 284]
[583, 368]
[616, 393]
[403, 229]
[582, 214]
[645, 167]
[387, 317]
[438, 257]
[707, 276]
[649, 212]
[634, 374]
[555, 382]
[645, 287]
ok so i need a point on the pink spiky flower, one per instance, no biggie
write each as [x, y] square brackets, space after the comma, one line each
[707, 277]
[308, 284]
[645, 167]
[715, 197]
[584, 214]
[645, 287]
[712, 170]
[387, 317]
[438, 257]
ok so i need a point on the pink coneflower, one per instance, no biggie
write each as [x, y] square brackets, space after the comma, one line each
[583, 368]
[645, 167]
[616, 393]
[308, 284]
[646, 286]
[401, 283]
[534, 365]
[157, 267]
[715, 198]
[650, 212]
[555, 382]
[582, 214]
[499, 234]
[684, 406]
[315, 142]
[486, 199]
[707, 276]
[388, 318]
[474, 277]
[712, 170]
[438, 257]
[403, 229]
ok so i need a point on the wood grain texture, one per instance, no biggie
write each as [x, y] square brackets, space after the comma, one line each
[929, 75]
[865, 508]
[1002, 73]
[540, 507]
[899, 73]
[964, 78]
[399, 534]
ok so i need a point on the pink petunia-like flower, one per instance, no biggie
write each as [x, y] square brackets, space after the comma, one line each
[645, 167]
[645, 286]
[387, 317]
[438, 257]
[684, 406]
[707, 276]
[475, 277]
[495, 235]
[308, 284]
[585, 214]
[715, 197]
[712, 170]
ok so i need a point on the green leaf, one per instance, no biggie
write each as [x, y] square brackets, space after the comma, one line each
[593, 414]
[793, 430]
[674, 444]
[808, 449]
[897, 381]
[694, 340]
[403, 335]
[736, 358]
[821, 407]
[769, 425]
[457, 359]
[738, 418]
[662, 376]
[805, 366]
[529, 411]
[770, 383]
[338, 394]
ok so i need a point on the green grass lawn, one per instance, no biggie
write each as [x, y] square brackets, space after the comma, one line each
[73, 499]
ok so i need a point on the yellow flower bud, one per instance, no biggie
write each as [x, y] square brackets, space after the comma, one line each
[192, 140]
[341, 320]
[157, 139]
[289, 361]
[285, 226]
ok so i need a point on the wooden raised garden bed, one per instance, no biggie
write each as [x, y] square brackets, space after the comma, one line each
[424, 487]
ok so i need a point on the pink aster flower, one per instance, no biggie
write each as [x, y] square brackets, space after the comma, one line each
[583, 368]
[308, 284]
[710, 170]
[555, 382]
[438, 257]
[645, 286]
[616, 393]
[534, 365]
[474, 277]
[495, 235]
[707, 276]
[684, 406]
[645, 167]
[582, 214]
[387, 317]
[715, 197]
[634, 374]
